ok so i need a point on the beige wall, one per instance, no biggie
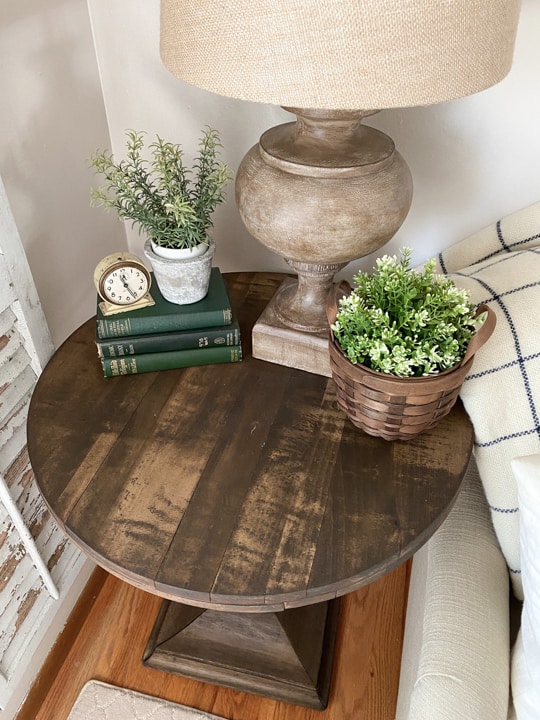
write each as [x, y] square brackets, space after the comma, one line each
[472, 160]
[52, 117]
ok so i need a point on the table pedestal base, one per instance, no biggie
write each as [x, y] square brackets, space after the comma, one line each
[286, 655]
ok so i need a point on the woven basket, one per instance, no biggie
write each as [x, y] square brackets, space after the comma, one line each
[391, 407]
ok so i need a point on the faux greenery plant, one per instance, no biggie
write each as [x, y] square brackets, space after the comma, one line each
[171, 203]
[403, 321]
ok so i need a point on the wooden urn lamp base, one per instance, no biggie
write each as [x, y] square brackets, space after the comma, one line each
[321, 191]
[276, 341]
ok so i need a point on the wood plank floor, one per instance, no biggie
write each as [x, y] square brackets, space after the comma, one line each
[108, 633]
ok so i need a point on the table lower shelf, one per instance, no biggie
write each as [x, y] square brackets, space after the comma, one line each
[286, 656]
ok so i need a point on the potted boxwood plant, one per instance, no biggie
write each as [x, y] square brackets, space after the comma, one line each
[401, 344]
[171, 203]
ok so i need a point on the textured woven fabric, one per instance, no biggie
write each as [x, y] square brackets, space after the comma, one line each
[341, 54]
[99, 701]
[455, 662]
[500, 266]
[526, 654]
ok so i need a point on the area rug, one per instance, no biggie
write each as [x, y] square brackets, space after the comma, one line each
[99, 701]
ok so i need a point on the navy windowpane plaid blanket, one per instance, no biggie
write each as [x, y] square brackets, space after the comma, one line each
[500, 266]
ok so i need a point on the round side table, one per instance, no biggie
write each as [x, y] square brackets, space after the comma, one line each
[239, 493]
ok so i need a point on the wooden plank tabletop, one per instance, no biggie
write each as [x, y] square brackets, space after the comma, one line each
[240, 486]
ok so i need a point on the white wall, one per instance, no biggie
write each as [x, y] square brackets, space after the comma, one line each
[141, 94]
[51, 119]
[472, 160]
[51, 115]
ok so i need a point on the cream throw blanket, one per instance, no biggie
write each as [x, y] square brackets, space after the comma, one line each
[500, 266]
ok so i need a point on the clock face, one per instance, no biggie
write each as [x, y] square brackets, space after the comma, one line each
[124, 284]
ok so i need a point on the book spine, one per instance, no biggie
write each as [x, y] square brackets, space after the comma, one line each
[150, 362]
[116, 326]
[165, 342]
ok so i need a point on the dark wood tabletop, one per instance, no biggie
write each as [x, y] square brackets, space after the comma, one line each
[237, 487]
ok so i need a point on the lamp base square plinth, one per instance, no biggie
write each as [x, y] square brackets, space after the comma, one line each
[275, 342]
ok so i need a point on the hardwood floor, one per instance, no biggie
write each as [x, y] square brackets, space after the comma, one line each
[108, 631]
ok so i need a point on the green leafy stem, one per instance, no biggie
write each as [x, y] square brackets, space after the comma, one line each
[404, 322]
[171, 203]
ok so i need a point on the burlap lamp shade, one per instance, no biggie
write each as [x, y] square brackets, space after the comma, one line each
[340, 54]
[331, 62]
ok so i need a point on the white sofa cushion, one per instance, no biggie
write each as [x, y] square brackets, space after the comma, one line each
[500, 266]
[455, 661]
[526, 654]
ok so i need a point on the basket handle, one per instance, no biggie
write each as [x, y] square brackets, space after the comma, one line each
[337, 291]
[483, 333]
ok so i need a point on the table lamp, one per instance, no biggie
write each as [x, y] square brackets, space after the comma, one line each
[327, 189]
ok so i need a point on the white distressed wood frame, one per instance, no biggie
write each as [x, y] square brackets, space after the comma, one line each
[41, 571]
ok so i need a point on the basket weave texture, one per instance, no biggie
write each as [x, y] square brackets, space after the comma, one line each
[397, 408]
[392, 407]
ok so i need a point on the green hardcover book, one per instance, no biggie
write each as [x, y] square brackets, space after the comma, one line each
[226, 335]
[214, 310]
[149, 362]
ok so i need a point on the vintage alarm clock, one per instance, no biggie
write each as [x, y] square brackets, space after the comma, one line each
[123, 282]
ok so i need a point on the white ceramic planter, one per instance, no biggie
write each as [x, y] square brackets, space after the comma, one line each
[182, 280]
[179, 253]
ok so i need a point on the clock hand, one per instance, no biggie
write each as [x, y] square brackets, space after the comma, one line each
[126, 285]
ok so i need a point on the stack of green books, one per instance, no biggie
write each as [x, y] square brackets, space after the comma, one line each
[165, 336]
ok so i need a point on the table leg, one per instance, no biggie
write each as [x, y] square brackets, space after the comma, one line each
[286, 655]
